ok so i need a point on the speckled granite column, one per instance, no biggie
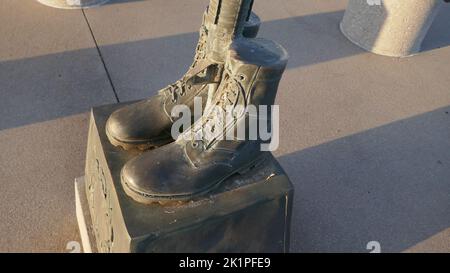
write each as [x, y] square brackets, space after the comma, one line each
[393, 28]
[72, 4]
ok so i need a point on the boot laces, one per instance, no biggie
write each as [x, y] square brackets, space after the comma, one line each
[214, 124]
[177, 89]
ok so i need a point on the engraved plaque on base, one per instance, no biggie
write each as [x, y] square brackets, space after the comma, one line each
[246, 213]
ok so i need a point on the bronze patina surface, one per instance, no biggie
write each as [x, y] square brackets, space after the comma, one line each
[147, 124]
[247, 213]
[193, 166]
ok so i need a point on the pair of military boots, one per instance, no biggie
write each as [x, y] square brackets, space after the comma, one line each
[240, 70]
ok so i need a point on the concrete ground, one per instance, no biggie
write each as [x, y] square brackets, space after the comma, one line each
[364, 138]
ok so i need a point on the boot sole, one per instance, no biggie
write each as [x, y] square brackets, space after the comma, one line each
[141, 146]
[149, 199]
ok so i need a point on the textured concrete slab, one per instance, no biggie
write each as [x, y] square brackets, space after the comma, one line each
[388, 184]
[49, 66]
[354, 183]
[38, 164]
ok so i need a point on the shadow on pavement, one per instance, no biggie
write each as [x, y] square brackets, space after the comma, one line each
[390, 184]
[52, 86]
[438, 35]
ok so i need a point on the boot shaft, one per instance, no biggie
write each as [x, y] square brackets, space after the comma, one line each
[253, 69]
[226, 20]
[249, 29]
[257, 65]
[207, 65]
[227, 13]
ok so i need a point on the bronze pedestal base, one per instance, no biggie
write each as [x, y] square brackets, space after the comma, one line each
[247, 213]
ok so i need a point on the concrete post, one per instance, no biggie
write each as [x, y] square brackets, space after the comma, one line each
[72, 4]
[389, 27]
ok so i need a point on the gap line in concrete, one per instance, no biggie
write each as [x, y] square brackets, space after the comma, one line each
[101, 56]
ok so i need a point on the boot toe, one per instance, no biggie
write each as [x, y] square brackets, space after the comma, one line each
[142, 124]
[117, 128]
[143, 180]
[154, 176]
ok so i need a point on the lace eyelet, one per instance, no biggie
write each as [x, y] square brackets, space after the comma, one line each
[194, 144]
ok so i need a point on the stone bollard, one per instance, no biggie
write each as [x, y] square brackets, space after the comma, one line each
[72, 4]
[389, 27]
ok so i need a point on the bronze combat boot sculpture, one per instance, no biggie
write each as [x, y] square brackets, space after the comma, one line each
[147, 124]
[212, 188]
[187, 168]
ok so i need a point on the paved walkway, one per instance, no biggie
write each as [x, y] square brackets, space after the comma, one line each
[364, 138]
